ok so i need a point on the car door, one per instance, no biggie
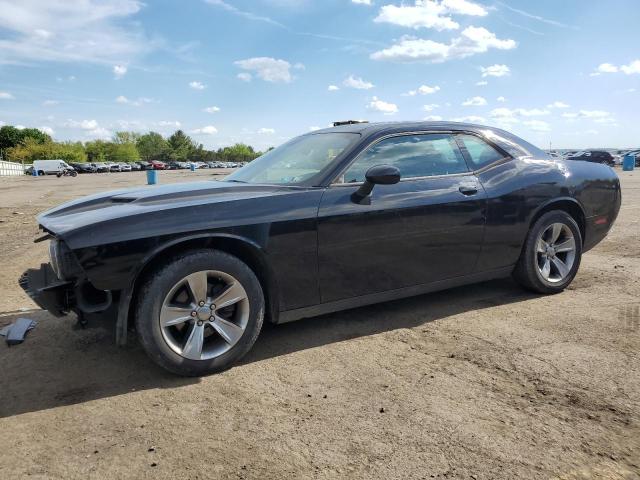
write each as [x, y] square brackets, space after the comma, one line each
[425, 228]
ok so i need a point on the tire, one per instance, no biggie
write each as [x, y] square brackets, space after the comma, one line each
[59, 174]
[74, 174]
[172, 346]
[40, 173]
[538, 266]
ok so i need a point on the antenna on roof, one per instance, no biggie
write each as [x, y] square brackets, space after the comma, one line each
[349, 122]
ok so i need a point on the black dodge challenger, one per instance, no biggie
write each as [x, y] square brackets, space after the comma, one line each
[347, 216]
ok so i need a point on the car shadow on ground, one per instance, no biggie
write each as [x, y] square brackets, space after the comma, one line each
[60, 365]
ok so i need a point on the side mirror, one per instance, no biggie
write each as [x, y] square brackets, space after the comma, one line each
[376, 175]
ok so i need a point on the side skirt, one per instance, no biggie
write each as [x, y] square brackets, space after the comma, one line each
[347, 303]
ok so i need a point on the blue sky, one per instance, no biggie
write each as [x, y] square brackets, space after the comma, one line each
[262, 71]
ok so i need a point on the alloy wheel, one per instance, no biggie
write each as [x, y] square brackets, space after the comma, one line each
[204, 315]
[555, 252]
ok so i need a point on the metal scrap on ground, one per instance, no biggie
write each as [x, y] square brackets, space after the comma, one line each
[15, 332]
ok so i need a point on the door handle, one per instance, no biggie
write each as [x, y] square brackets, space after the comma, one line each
[468, 189]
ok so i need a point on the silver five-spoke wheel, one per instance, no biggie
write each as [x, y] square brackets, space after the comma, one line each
[204, 315]
[555, 252]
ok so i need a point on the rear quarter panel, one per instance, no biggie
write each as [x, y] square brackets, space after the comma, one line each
[517, 190]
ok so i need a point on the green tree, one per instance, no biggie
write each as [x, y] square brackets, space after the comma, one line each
[30, 149]
[11, 136]
[152, 146]
[122, 152]
[182, 146]
[97, 150]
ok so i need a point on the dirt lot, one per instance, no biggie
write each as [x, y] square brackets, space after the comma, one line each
[477, 382]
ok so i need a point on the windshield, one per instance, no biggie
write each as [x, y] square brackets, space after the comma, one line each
[297, 160]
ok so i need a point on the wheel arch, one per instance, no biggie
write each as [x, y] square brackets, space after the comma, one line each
[567, 204]
[244, 249]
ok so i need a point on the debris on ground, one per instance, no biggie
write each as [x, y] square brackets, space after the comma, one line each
[15, 332]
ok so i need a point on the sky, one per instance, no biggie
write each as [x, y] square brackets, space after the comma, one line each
[559, 73]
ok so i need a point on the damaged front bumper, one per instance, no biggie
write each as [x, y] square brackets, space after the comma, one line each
[48, 291]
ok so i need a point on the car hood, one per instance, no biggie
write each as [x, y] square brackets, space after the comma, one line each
[149, 201]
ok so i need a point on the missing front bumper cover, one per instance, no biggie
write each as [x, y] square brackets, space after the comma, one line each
[47, 290]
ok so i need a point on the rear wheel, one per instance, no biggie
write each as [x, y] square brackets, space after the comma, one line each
[200, 313]
[551, 254]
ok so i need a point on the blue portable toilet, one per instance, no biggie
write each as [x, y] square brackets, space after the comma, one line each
[152, 177]
[628, 163]
[193, 167]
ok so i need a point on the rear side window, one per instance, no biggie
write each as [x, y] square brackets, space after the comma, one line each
[414, 155]
[480, 152]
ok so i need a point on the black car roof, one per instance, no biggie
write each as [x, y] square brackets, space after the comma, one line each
[382, 128]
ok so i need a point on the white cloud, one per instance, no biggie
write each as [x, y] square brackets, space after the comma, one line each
[508, 114]
[470, 119]
[333, 88]
[482, 83]
[382, 106]
[430, 107]
[558, 104]
[266, 131]
[357, 82]
[83, 124]
[6, 96]
[197, 85]
[432, 118]
[633, 67]
[314, 128]
[136, 103]
[71, 31]
[119, 71]
[267, 68]
[244, 76]
[362, 2]
[423, 90]
[213, 109]
[630, 69]
[472, 40]
[169, 123]
[429, 13]
[606, 68]
[20, 127]
[537, 125]
[48, 130]
[99, 132]
[207, 130]
[474, 102]
[593, 113]
[495, 71]
[50, 103]
[501, 99]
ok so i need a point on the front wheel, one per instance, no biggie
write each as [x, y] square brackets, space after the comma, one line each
[200, 313]
[551, 254]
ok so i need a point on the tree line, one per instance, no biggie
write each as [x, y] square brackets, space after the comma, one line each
[25, 145]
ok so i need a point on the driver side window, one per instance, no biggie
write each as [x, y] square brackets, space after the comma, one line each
[414, 155]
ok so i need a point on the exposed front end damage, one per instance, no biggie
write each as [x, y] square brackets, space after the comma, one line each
[61, 286]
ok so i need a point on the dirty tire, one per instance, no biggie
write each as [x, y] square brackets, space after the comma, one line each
[156, 287]
[526, 272]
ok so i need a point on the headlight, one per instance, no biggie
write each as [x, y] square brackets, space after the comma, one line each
[54, 250]
[63, 261]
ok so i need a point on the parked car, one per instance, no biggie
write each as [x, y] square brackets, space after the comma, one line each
[114, 167]
[596, 156]
[155, 165]
[49, 167]
[173, 166]
[125, 167]
[145, 165]
[135, 166]
[334, 219]
[83, 167]
[101, 167]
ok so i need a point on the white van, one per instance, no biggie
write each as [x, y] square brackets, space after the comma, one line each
[49, 167]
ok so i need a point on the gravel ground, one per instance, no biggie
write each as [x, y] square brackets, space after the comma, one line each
[480, 382]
